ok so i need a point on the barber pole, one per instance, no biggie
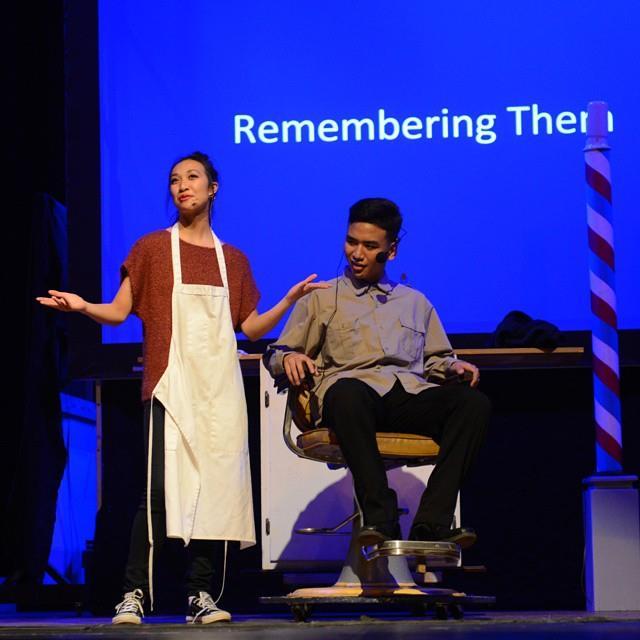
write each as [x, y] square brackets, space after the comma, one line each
[610, 499]
[606, 372]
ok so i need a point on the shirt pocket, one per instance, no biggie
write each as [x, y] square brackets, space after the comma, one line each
[412, 336]
[341, 342]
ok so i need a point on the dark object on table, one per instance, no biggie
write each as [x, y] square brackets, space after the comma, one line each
[517, 329]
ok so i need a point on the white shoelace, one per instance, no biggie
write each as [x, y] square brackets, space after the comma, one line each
[206, 604]
[131, 603]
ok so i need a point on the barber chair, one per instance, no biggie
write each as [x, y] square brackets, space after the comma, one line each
[377, 574]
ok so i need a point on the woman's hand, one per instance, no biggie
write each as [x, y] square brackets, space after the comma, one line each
[63, 301]
[256, 325]
[112, 313]
[304, 287]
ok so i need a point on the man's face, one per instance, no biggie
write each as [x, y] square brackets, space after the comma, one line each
[363, 243]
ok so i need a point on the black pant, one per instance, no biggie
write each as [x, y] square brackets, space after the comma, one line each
[202, 553]
[455, 416]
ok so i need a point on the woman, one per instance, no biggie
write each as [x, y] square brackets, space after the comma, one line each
[191, 294]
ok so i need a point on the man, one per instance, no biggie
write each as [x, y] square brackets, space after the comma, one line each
[381, 361]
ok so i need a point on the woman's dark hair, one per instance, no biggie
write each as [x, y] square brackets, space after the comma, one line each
[210, 170]
[379, 211]
[204, 160]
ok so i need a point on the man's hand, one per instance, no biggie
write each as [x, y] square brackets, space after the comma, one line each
[466, 371]
[297, 366]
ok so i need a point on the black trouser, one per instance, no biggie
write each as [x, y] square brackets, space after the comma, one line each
[455, 416]
[202, 553]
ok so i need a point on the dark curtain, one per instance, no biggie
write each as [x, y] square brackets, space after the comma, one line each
[35, 454]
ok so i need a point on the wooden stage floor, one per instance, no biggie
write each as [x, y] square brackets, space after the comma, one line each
[337, 625]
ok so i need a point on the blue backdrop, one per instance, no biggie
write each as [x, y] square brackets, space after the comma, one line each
[493, 201]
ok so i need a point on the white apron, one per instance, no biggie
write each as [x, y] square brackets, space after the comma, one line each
[207, 475]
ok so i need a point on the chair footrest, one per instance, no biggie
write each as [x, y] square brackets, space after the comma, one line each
[433, 554]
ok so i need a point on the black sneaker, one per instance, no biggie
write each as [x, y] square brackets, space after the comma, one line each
[462, 536]
[203, 610]
[130, 610]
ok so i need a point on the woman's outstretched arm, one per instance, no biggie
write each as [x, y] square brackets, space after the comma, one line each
[257, 324]
[113, 313]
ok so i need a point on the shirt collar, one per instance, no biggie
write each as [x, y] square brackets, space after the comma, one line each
[384, 285]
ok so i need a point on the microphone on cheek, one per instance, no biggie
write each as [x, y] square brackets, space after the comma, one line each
[382, 257]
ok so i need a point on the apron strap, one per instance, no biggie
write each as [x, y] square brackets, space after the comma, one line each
[175, 255]
[222, 265]
[149, 519]
[224, 573]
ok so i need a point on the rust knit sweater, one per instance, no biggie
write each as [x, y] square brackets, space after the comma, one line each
[149, 268]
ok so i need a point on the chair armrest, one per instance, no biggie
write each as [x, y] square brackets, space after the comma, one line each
[286, 427]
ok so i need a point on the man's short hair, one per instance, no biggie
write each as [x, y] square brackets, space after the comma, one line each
[379, 211]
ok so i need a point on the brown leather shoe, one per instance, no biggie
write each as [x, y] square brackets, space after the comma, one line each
[372, 534]
[462, 536]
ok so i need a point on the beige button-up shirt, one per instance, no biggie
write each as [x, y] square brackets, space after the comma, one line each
[376, 333]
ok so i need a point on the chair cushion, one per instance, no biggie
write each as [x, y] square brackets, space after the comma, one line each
[322, 444]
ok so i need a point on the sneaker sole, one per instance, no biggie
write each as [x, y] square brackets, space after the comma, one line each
[222, 616]
[126, 619]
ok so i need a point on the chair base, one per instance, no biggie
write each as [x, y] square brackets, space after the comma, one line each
[382, 571]
[356, 590]
[385, 579]
[444, 603]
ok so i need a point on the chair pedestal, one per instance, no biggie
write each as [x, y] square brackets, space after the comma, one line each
[385, 574]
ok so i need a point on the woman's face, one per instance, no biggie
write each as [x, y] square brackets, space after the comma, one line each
[190, 188]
